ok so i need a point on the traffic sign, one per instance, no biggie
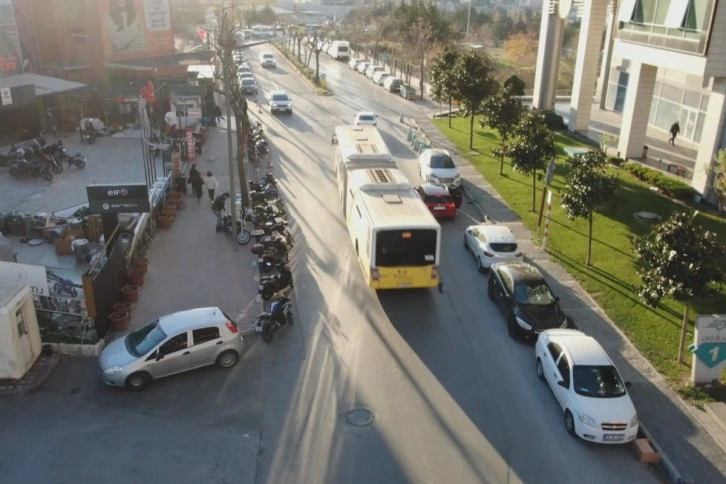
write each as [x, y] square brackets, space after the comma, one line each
[711, 354]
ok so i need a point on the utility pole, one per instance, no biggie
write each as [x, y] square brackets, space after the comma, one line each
[468, 18]
[226, 66]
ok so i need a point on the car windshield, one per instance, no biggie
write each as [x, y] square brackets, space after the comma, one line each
[533, 292]
[442, 161]
[145, 338]
[268, 56]
[366, 117]
[597, 381]
[248, 82]
[279, 97]
[503, 246]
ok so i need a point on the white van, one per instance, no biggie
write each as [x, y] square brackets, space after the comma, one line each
[339, 50]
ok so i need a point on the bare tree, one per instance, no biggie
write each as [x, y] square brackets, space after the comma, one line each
[316, 44]
[419, 41]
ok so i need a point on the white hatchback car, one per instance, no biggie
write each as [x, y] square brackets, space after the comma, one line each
[436, 166]
[490, 244]
[380, 77]
[587, 386]
[367, 118]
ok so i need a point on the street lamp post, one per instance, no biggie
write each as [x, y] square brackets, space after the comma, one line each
[227, 94]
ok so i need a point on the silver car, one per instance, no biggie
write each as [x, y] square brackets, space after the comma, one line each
[171, 344]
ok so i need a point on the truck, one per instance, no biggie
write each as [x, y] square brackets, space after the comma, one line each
[339, 50]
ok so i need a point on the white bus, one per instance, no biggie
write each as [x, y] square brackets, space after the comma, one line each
[358, 147]
[339, 50]
[396, 238]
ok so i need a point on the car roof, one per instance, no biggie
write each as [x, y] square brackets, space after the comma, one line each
[365, 113]
[519, 271]
[583, 349]
[265, 54]
[435, 151]
[191, 319]
[434, 189]
[495, 233]
[273, 93]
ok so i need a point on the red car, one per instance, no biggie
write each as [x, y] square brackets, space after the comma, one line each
[438, 199]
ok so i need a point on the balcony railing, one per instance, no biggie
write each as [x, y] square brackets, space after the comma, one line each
[688, 41]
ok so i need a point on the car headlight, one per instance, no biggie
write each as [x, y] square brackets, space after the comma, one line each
[523, 324]
[634, 421]
[113, 370]
[587, 420]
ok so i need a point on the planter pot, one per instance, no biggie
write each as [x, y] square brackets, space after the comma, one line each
[165, 221]
[135, 277]
[119, 321]
[123, 307]
[130, 292]
[142, 265]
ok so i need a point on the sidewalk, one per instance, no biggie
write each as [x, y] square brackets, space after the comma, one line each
[691, 441]
[192, 265]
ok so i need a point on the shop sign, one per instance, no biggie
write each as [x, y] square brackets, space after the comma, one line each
[128, 198]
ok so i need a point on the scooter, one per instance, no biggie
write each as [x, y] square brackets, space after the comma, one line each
[279, 315]
[270, 285]
[90, 132]
[243, 235]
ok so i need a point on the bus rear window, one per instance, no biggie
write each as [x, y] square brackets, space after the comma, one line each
[395, 248]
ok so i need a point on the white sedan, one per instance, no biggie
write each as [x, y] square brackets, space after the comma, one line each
[587, 386]
[365, 118]
[490, 244]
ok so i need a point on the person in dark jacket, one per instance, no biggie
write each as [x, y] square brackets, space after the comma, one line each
[675, 129]
[197, 182]
[218, 208]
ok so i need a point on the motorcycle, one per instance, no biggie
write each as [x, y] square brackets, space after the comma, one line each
[243, 235]
[279, 315]
[270, 285]
[274, 245]
[90, 132]
[268, 263]
[20, 168]
[77, 160]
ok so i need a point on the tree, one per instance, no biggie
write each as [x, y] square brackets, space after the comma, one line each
[680, 260]
[441, 75]
[531, 146]
[588, 185]
[521, 49]
[473, 81]
[719, 178]
[316, 44]
[502, 112]
[515, 85]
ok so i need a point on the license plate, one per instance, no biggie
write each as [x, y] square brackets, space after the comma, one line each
[613, 437]
[404, 284]
[439, 208]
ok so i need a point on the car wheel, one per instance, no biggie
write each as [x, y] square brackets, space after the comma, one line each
[570, 422]
[512, 327]
[268, 334]
[479, 265]
[227, 359]
[540, 370]
[138, 381]
[490, 290]
[466, 243]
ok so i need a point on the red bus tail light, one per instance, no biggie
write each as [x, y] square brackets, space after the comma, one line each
[375, 275]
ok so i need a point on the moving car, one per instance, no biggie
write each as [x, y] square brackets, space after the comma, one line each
[380, 76]
[245, 75]
[525, 299]
[353, 63]
[171, 344]
[365, 118]
[587, 386]
[248, 86]
[280, 102]
[245, 69]
[392, 84]
[490, 244]
[438, 200]
[436, 166]
[268, 60]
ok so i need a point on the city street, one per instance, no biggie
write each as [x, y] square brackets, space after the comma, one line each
[452, 397]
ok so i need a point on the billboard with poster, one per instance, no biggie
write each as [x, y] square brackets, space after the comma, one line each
[134, 29]
[11, 61]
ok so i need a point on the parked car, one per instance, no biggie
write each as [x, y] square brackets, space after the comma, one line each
[380, 77]
[365, 118]
[372, 69]
[248, 86]
[245, 75]
[353, 63]
[490, 244]
[436, 166]
[362, 66]
[526, 300]
[268, 60]
[244, 70]
[171, 344]
[392, 84]
[587, 386]
[280, 102]
[438, 200]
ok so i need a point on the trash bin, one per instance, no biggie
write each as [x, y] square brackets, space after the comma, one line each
[180, 183]
[645, 151]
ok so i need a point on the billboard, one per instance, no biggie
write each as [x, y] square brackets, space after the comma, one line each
[11, 61]
[128, 198]
[133, 29]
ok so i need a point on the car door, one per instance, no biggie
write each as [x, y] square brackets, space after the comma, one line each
[506, 293]
[173, 356]
[564, 375]
[549, 357]
[205, 345]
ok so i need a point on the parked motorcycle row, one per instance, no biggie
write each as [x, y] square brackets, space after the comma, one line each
[257, 147]
[38, 159]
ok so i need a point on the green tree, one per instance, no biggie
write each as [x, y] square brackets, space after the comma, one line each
[719, 178]
[680, 260]
[441, 76]
[473, 82]
[588, 185]
[502, 112]
[515, 85]
[531, 146]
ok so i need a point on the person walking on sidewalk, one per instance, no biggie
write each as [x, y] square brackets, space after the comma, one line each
[675, 129]
[211, 183]
[218, 208]
[196, 181]
[219, 113]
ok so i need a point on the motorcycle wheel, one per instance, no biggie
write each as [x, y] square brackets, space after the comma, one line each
[268, 334]
[47, 175]
[18, 172]
[290, 319]
[80, 164]
[57, 288]
[244, 237]
[74, 293]
[57, 167]
[267, 293]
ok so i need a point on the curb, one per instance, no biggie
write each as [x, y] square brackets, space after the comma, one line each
[665, 463]
[33, 380]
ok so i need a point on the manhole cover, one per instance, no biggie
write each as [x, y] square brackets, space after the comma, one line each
[359, 417]
[647, 216]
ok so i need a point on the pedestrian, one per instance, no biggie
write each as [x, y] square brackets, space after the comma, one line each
[211, 183]
[196, 181]
[675, 129]
[219, 114]
[218, 208]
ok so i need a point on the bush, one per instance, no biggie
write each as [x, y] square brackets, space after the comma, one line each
[669, 186]
[554, 120]
[616, 161]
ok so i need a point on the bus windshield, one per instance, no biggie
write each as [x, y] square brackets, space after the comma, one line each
[405, 248]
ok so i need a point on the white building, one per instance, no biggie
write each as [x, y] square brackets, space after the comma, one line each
[662, 61]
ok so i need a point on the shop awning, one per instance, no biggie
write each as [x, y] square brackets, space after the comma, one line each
[44, 85]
